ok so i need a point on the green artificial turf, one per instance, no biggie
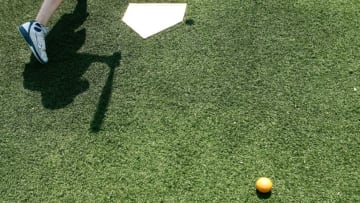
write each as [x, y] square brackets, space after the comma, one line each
[240, 89]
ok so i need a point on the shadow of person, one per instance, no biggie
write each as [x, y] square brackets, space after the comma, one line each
[61, 80]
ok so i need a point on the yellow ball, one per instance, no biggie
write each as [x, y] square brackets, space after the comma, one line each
[263, 185]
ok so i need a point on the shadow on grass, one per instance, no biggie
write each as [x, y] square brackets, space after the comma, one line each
[61, 80]
[263, 195]
[190, 22]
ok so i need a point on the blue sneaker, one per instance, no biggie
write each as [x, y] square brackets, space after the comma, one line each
[34, 34]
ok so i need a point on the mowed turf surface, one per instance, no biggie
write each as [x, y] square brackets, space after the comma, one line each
[240, 89]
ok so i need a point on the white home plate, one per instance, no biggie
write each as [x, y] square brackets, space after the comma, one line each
[150, 18]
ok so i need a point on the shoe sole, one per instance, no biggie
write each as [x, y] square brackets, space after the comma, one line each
[26, 37]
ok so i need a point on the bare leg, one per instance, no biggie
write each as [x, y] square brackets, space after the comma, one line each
[47, 9]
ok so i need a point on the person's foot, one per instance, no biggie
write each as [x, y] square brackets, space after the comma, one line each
[34, 34]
